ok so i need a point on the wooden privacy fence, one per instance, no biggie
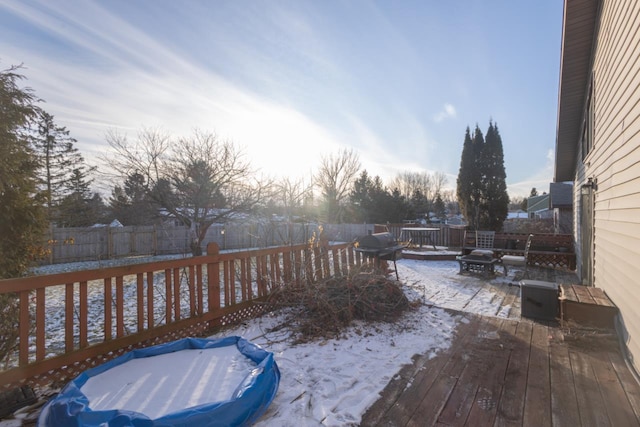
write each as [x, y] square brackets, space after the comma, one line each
[100, 243]
[70, 322]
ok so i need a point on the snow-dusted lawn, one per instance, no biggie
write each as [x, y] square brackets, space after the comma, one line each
[333, 382]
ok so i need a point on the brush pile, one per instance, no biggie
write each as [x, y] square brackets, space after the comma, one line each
[323, 309]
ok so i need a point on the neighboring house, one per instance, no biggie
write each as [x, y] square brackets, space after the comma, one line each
[561, 201]
[538, 207]
[598, 149]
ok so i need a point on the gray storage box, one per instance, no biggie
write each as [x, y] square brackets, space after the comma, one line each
[539, 299]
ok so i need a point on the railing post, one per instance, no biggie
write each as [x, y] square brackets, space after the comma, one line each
[25, 328]
[213, 278]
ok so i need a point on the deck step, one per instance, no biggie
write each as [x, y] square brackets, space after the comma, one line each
[587, 306]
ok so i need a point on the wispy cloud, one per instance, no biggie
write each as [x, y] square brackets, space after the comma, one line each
[447, 112]
[292, 80]
[146, 84]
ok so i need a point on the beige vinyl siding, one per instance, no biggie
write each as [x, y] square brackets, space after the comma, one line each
[579, 179]
[615, 161]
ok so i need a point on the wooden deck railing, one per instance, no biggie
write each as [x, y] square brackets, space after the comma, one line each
[70, 322]
[547, 250]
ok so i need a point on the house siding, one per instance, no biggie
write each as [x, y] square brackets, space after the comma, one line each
[614, 161]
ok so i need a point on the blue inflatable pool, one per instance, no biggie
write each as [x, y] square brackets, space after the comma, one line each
[189, 382]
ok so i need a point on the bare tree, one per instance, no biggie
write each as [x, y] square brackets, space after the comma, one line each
[421, 189]
[292, 194]
[410, 183]
[335, 180]
[199, 180]
[438, 180]
[145, 155]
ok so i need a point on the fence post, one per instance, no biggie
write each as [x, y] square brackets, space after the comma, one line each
[155, 239]
[109, 243]
[50, 244]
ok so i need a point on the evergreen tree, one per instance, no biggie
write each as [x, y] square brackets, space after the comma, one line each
[58, 157]
[22, 221]
[439, 208]
[418, 205]
[360, 197]
[382, 209]
[495, 200]
[21, 204]
[132, 205]
[481, 185]
[119, 205]
[469, 182]
[371, 201]
[463, 182]
[80, 208]
[398, 207]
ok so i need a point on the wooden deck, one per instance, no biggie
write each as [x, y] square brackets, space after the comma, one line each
[506, 371]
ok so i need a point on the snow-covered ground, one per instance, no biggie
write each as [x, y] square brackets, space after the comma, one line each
[333, 382]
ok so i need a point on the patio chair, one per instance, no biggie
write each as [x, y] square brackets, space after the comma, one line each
[484, 239]
[517, 260]
[484, 243]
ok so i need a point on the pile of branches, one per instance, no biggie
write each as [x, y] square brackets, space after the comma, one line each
[323, 309]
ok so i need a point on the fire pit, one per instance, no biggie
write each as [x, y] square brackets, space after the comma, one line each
[380, 247]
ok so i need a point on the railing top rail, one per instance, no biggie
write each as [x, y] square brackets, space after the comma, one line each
[35, 282]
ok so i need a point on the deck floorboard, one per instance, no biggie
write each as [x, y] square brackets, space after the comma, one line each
[503, 371]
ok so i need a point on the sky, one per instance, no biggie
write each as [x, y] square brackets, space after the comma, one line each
[291, 82]
[331, 381]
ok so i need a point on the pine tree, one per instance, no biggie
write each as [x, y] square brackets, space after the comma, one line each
[360, 197]
[481, 186]
[61, 165]
[469, 183]
[131, 205]
[57, 155]
[21, 213]
[496, 200]
[439, 208]
[21, 208]
[463, 183]
[80, 208]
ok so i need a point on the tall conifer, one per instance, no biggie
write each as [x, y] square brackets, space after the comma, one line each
[481, 186]
[463, 184]
[21, 213]
[496, 199]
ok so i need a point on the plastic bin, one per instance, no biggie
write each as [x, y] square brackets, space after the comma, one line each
[539, 300]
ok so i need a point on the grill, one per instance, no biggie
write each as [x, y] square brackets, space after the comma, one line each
[380, 247]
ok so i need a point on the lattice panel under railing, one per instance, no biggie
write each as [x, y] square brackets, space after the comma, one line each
[59, 377]
[554, 260]
[244, 314]
[261, 272]
[559, 260]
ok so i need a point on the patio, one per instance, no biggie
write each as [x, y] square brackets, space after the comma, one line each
[514, 371]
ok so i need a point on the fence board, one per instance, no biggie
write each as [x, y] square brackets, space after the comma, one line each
[101, 243]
